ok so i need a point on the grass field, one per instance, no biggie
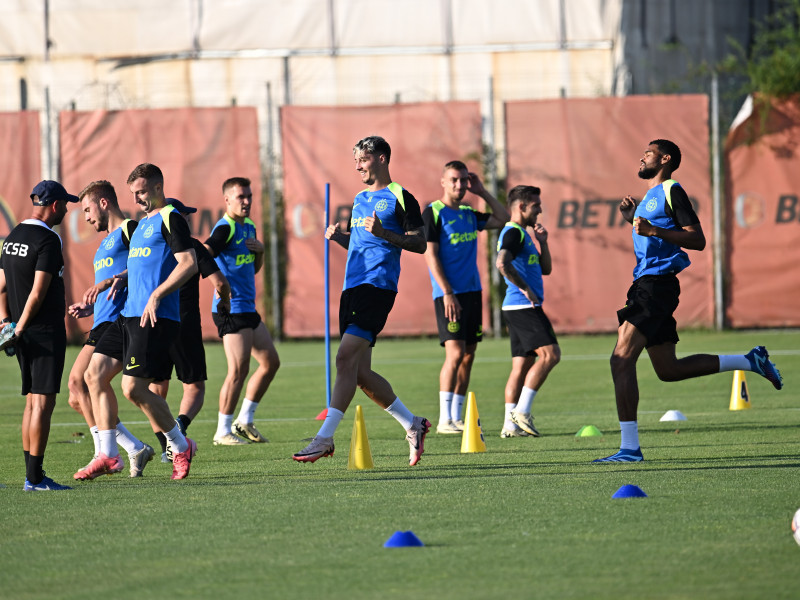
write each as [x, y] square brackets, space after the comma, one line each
[528, 518]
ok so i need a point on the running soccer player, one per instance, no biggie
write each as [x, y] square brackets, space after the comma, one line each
[385, 220]
[240, 255]
[101, 210]
[664, 223]
[32, 307]
[534, 347]
[451, 230]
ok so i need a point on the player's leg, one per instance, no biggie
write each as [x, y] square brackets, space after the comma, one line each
[237, 346]
[472, 322]
[454, 352]
[79, 398]
[266, 356]
[520, 365]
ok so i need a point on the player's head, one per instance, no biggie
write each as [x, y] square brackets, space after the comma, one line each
[525, 204]
[455, 180]
[97, 199]
[147, 186]
[50, 201]
[238, 197]
[660, 155]
[372, 155]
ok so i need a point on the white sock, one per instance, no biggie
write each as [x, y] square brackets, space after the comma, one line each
[108, 442]
[733, 362]
[224, 423]
[630, 435]
[445, 399]
[96, 439]
[247, 411]
[176, 439]
[508, 423]
[331, 422]
[525, 403]
[125, 439]
[455, 407]
[401, 413]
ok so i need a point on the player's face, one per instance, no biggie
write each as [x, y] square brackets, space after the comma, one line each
[531, 211]
[146, 195]
[455, 183]
[239, 201]
[650, 163]
[367, 166]
[93, 214]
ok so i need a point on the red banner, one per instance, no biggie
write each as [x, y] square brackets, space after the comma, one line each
[317, 149]
[196, 148]
[763, 214]
[20, 167]
[584, 155]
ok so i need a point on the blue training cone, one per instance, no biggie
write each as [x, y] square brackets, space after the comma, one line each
[403, 539]
[629, 491]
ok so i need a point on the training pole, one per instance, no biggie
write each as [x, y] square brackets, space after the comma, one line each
[327, 299]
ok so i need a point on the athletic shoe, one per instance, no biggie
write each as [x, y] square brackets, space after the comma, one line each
[100, 465]
[319, 447]
[525, 422]
[45, 485]
[447, 428]
[459, 425]
[138, 460]
[181, 461]
[165, 458]
[228, 440]
[84, 468]
[517, 432]
[624, 455]
[761, 364]
[248, 431]
[415, 437]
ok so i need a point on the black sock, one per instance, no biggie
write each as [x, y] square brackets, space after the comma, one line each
[162, 439]
[27, 456]
[183, 423]
[33, 470]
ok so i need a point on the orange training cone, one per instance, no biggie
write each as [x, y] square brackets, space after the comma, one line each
[472, 439]
[740, 395]
[360, 453]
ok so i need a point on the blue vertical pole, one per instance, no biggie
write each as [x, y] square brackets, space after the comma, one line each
[327, 299]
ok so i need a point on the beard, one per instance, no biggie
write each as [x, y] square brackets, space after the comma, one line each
[647, 172]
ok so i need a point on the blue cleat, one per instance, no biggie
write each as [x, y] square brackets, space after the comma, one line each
[761, 364]
[45, 485]
[624, 455]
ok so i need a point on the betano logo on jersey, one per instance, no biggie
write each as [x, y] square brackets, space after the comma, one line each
[358, 222]
[139, 252]
[458, 238]
[533, 259]
[102, 263]
[244, 259]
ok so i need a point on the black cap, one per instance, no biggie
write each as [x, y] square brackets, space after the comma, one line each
[50, 192]
[181, 207]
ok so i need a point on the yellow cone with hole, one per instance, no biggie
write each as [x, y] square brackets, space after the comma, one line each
[472, 439]
[740, 395]
[360, 452]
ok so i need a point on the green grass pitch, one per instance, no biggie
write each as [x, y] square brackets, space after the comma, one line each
[528, 518]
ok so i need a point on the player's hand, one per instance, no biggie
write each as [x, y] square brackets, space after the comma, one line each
[119, 283]
[254, 246]
[373, 225]
[530, 295]
[643, 227]
[476, 185]
[149, 312]
[223, 306]
[90, 295]
[628, 207]
[332, 231]
[452, 307]
[80, 310]
[540, 232]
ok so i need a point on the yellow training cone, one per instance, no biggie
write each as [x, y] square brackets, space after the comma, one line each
[740, 395]
[472, 439]
[360, 453]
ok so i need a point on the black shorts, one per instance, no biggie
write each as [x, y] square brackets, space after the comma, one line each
[96, 333]
[146, 349]
[232, 322]
[40, 354]
[469, 327]
[187, 352]
[367, 307]
[111, 343]
[652, 299]
[529, 329]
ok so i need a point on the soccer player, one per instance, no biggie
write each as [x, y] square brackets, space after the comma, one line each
[240, 256]
[101, 210]
[534, 347]
[385, 220]
[451, 230]
[32, 297]
[664, 223]
[160, 260]
[187, 352]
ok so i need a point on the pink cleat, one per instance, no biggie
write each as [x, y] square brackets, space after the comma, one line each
[181, 461]
[100, 465]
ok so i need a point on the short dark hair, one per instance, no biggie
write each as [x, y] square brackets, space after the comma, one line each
[374, 144]
[671, 148]
[100, 189]
[232, 181]
[147, 171]
[523, 193]
[455, 164]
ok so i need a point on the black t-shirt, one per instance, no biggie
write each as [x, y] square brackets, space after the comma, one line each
[190, 291]
[681, 210]
[32, 246]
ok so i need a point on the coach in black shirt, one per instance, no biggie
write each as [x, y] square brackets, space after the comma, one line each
[32, 296]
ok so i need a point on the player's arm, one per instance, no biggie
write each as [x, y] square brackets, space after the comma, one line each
[218, 240]
[41, 283]
[689, 236]
[452, 307]
[90, 295]
[499, 216]
[628, 207]
[510, 246]
[545, 260]
[223, 291]
[410, 218]
[5, 314]
[257, 249]
[335, 234]
[80, 310]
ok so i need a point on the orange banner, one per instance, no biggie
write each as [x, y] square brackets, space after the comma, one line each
[584, 155]
[317, 149]
[20, 167]
[196, 148]
[763, 214]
